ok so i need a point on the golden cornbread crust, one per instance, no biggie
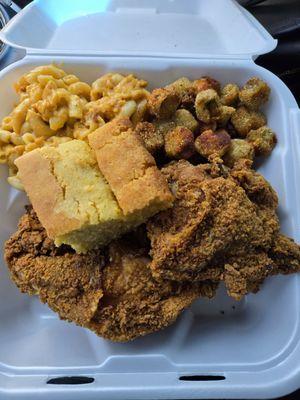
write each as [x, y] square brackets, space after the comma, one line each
[130, 169]
[71, 197]
[44, 192]
[149, 192]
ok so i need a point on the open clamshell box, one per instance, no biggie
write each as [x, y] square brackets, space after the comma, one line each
[252, 350]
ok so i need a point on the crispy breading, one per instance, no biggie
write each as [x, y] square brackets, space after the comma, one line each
[245, 271]
[220, 228]
[286, 255]
[208, 217]
[134, 304]
[111, 292]
[257, 188]
[70, 283]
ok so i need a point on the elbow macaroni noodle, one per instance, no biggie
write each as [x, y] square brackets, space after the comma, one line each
[55, 107]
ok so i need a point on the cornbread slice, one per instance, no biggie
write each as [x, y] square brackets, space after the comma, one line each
[71, 197]
[130, 169]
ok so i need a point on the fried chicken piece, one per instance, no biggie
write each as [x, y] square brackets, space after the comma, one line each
[134, 304]
[70, 283]
[257, 188]
[244, 272]
[209, 216]
[220, 228]
[113, 294]
[261, 194]
[286, 255]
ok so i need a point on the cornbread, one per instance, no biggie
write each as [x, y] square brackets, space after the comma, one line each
[130, 169]
[72, 199]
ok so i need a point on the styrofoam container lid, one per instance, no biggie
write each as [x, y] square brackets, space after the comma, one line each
[168, 28]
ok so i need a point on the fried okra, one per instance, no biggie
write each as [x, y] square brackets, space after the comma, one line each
[213, 143]
[205, 101]
[254, 93]
[164, 126]
[263, 140]
[206, 82]
[223, 114]
[229, 94]
[209, 108]
[205, 127]
[239, 149]
[181, 118]
[184, 118]
[152, 137]
[163, 102]
[244, 120]
[183, 87]
[213, 115]
[179, 143]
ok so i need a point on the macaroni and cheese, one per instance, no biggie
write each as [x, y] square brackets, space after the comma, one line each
[55, 107]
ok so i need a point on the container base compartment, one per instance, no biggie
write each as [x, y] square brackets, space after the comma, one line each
[218, 348]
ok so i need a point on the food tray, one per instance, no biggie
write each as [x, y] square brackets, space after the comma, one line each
[218, 348]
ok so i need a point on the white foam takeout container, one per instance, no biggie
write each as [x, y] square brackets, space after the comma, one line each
[253, 344]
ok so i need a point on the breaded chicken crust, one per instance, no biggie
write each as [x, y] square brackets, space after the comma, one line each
[110, 291]
[220, 228]
[134, 304]
[71, 284]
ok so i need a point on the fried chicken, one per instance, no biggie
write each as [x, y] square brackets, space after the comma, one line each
[220, 228]
[286, 255]
[134, 304]
[71, 284]
[110, 291]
